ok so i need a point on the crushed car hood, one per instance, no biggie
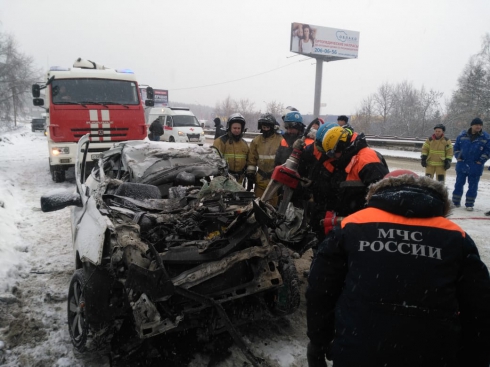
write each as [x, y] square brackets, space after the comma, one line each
[148, 163]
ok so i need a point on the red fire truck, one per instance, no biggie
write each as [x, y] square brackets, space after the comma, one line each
[89, 98]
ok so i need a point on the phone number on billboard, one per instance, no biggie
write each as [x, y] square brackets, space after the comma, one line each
[325, 51]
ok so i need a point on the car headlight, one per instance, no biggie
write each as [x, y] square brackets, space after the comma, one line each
[181, 133]
[60, 150]
[202, 132]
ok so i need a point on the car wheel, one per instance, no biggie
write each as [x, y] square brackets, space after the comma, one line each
[78, 326]
[171, 139]
[286, 298]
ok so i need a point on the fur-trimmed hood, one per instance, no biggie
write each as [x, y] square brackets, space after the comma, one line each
[409, 196]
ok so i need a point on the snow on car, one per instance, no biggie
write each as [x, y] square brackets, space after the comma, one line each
[167, 242]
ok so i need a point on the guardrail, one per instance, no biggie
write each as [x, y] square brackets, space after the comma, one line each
[401, 143]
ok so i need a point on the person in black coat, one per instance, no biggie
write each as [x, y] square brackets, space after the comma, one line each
[219, 129]
[156, 130]
[399, 285]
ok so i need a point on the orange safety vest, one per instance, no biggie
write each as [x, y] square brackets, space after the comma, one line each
[327, 163]
[362, 158]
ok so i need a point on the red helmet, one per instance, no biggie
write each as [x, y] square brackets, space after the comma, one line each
[401, 172]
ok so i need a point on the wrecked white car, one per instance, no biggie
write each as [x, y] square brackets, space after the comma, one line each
[166, 241]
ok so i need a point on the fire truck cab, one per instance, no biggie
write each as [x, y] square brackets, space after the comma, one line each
[89, 98]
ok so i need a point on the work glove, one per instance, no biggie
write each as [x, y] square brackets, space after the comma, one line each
[423, 161]
[316, 355]
[330, 221]
[447, 164]
[299, 144]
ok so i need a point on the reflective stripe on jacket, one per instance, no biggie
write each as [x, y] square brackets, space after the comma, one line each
[262, 155]
[235, 152]
[437, 150]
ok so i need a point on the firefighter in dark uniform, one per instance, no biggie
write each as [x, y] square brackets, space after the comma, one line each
[263, 148]
[399, 284]
[232, 146]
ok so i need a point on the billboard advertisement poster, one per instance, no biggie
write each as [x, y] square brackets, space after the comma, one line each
[329, 44]
[161, 97]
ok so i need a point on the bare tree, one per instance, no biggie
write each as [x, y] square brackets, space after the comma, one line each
[364, 120]
[275, 108]
[225, 108]
[17, 74]
[245, 107]
[406, 105]
[472, 98]
[429, 106]
[383, 103]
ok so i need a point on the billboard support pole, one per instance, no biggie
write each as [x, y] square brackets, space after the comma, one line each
[318, 87]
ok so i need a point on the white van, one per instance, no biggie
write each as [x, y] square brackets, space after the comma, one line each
[179, 124]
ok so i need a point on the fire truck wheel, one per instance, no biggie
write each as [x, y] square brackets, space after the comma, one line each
[57, 174]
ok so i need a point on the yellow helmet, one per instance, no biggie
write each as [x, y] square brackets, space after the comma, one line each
[333, 137]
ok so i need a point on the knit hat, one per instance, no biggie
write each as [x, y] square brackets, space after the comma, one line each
[476, 121]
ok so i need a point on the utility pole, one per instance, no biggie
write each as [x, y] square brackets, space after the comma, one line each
[15, 105]
[318, 86]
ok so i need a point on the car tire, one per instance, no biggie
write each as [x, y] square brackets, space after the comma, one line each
[171, 139]
[78, 326]
[287, 297]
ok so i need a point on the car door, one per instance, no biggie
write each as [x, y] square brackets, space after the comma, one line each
[88, 224]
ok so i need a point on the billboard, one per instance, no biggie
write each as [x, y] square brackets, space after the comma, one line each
[160, 96]
[329, 44]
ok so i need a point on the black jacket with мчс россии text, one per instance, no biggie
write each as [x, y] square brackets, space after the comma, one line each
[400, 285]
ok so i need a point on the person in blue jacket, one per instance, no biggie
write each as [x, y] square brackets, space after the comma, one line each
[471, 150]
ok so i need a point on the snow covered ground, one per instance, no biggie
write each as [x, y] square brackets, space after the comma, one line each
[36, 264]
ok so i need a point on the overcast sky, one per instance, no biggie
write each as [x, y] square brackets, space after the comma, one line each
[183, 45]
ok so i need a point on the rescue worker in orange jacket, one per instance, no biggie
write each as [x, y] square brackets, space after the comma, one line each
[314, 126]
[360, 164]
[399, 284]
[232, 146]
[263, 148]
[324, 179]
[293, 122]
